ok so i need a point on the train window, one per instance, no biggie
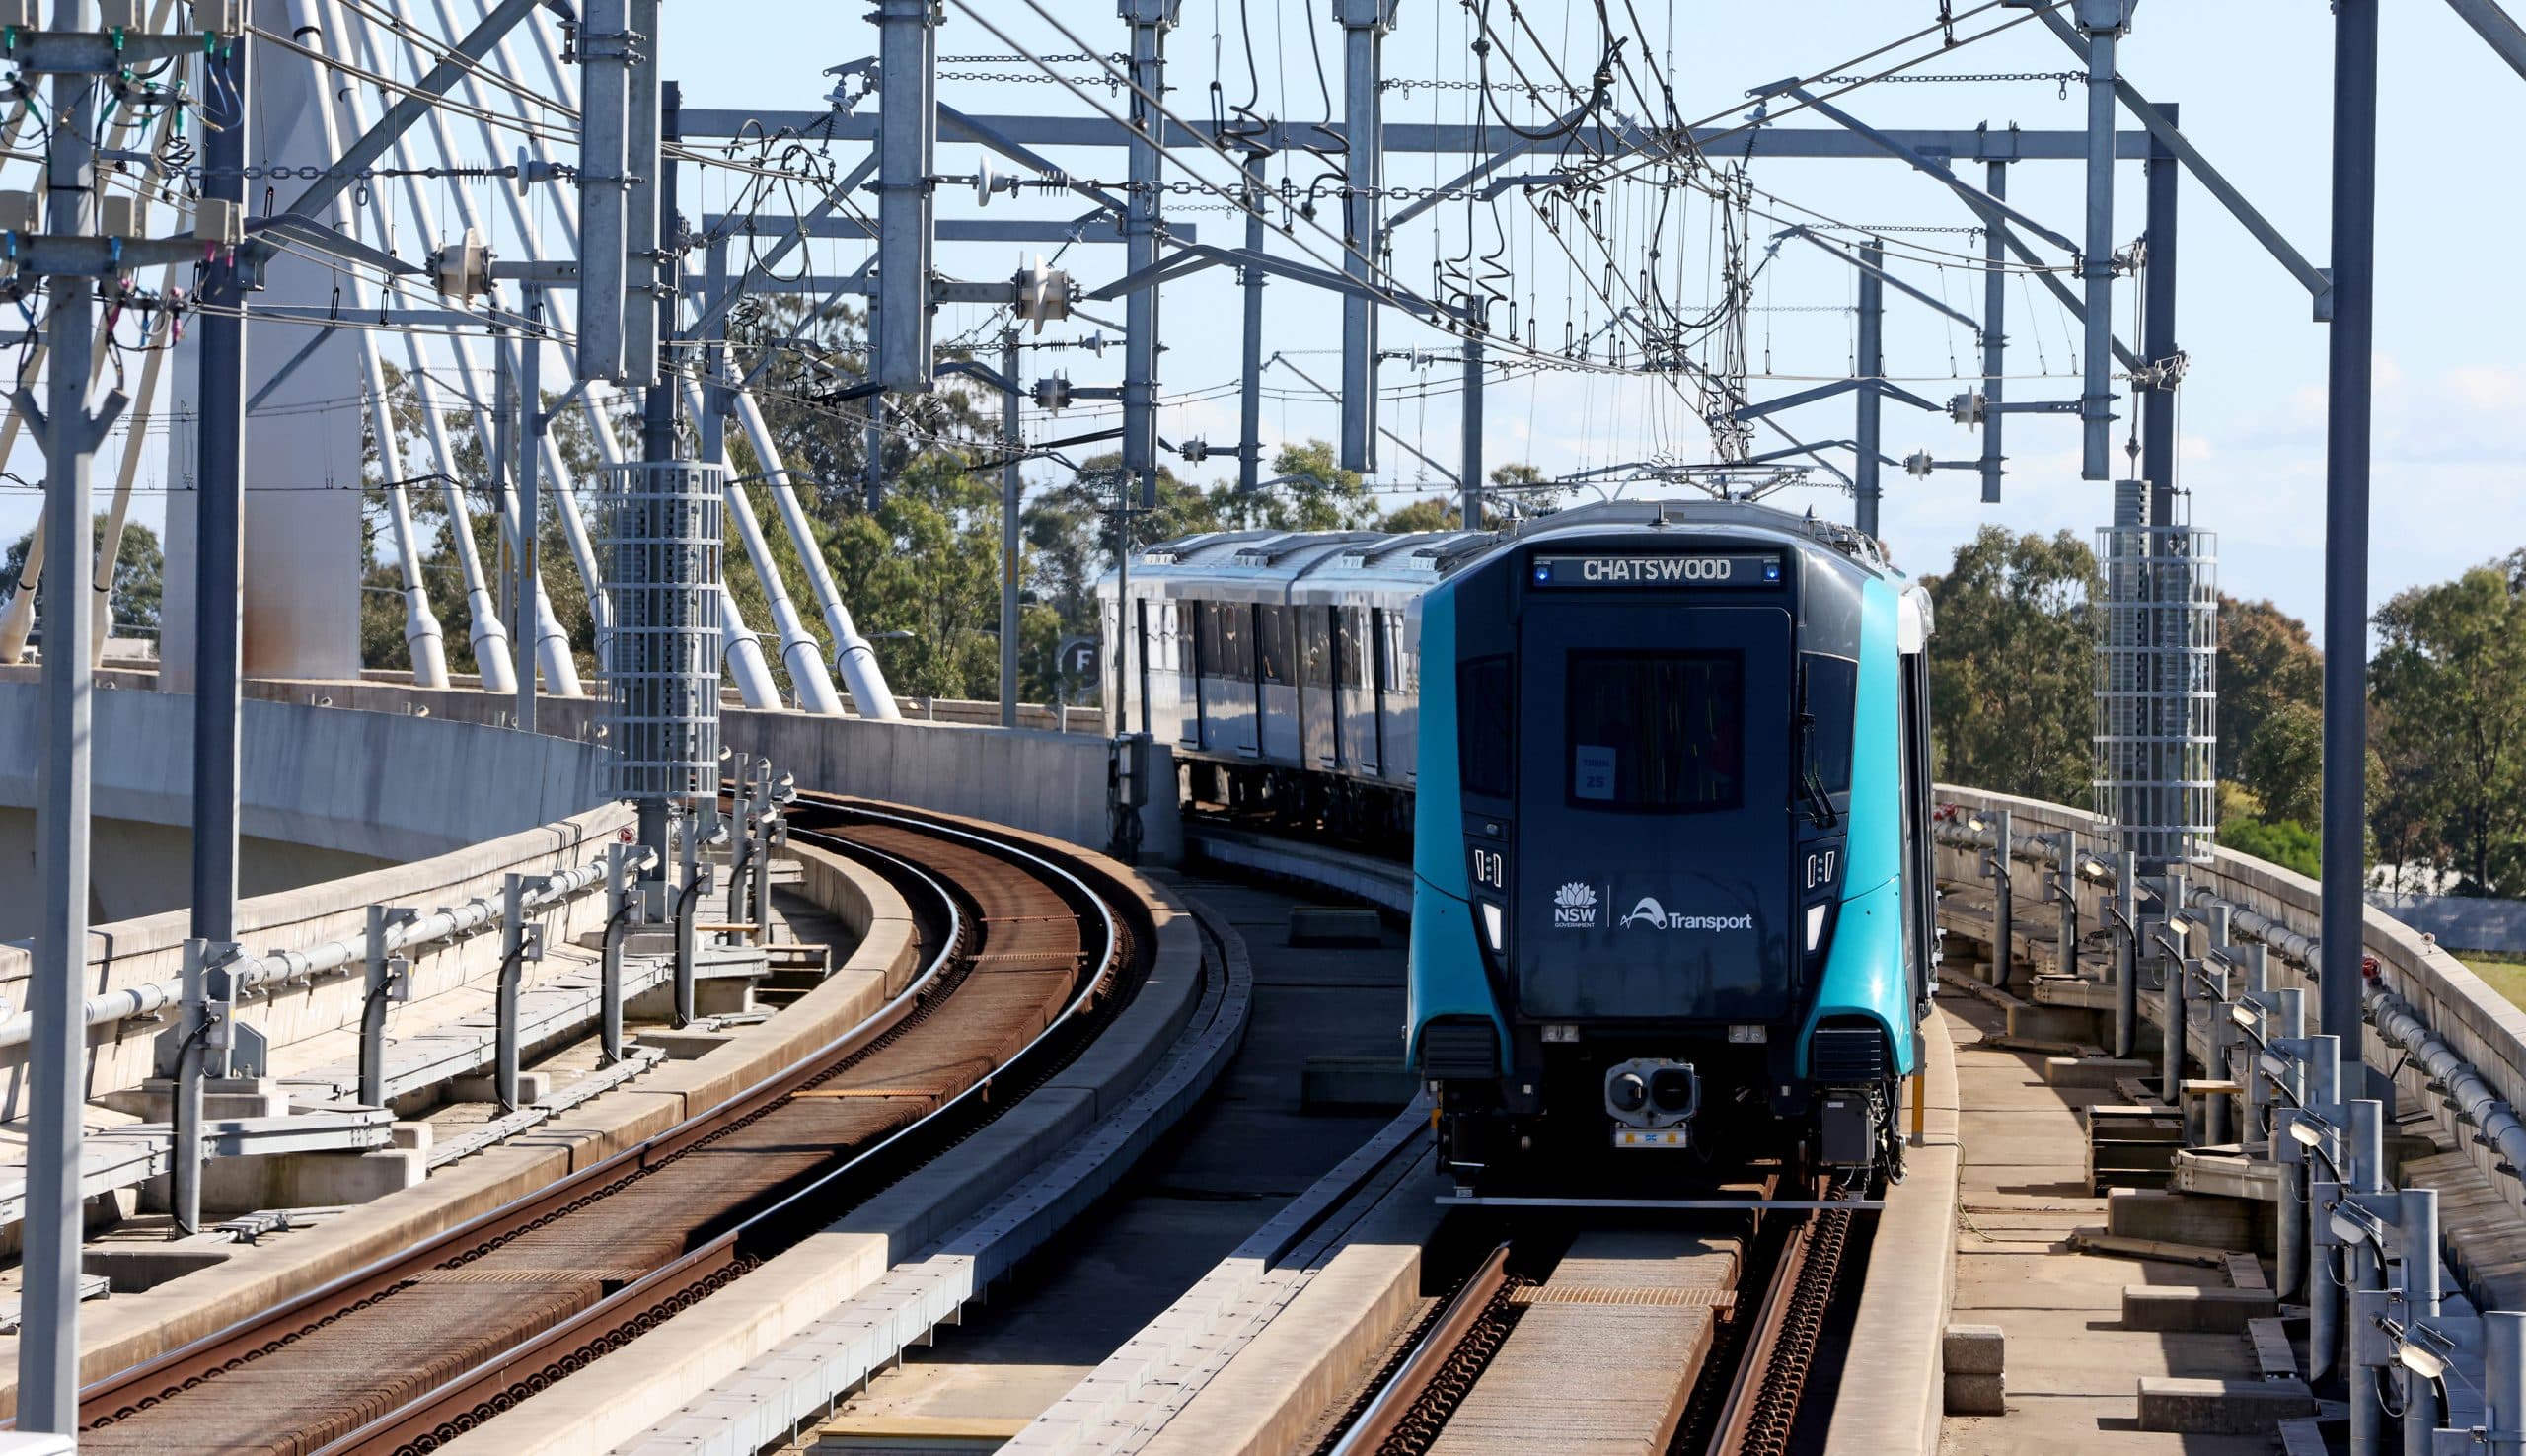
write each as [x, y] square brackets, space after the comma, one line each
[1275, 645]
[1236, 642]
[1206, 637]
[1486, 734]
[1315, 638]
[1657, 731]
[1352, 647]
[1833, 700]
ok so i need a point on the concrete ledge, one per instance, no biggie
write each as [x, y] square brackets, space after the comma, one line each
[2052, 1023]
[2203, 1219]
[1375, 1085]
[2092, 1071]
[1335, 925]
[1174, 1359]
[1272, 1391]
[2176, 1307]
[1891, 1403]
[2244, 1407]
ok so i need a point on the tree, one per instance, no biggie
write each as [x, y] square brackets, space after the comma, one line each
[2288, 843]
[139, 579]
[1524, 485]
[2450, 692]
[2267, 663]
[926, 562]
[808, 355]
[1430, 513]
[1323, 496]
[2012, 669]
[1442, 512]
[2284, 765]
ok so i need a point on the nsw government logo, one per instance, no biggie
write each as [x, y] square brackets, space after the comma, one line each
[1574, 906]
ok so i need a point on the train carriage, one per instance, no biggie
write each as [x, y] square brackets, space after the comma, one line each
[1668, 766]
[1283, 666]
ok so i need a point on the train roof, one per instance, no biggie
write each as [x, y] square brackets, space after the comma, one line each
[1304, 566]
[1365, 567]
[1807, 532]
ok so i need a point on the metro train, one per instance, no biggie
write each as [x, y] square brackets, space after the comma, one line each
[1668, 770]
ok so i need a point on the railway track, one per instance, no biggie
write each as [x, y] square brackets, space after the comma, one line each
[1723, 1324]
[1024, 957]
[1768, 1377]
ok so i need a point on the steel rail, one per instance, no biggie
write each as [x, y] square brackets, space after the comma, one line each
[1770, 1377]
[1412, 1383]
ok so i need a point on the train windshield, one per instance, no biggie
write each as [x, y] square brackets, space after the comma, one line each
[1660, 732]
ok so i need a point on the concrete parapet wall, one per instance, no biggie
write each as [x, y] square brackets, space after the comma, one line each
[1046, 783]
[971, 711]
[389, 788]
[2483, 1026]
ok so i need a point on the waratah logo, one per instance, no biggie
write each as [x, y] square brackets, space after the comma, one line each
[1574, 906]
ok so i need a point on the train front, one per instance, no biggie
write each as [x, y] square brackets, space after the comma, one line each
[1634, 844]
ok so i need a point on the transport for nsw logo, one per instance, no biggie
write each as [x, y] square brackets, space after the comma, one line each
[1574, 907]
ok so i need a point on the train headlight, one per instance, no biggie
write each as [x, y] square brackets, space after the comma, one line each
[1673, 1090]
[1494, 926]
[1816, 915]
[1627, 1092]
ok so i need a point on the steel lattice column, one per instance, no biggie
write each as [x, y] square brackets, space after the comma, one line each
[1365, 23]
[1143, 221]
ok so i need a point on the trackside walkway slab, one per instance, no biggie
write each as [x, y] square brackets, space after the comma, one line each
[2073, 1372]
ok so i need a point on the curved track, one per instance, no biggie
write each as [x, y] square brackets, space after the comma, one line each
[1025, 954]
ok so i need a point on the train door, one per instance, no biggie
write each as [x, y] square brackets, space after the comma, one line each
[1652, 794]
[1921, 904]
[1228, 684]
[1399, 693]
[1319, 687]
[1352, 647]
[1176, 684]
[1276, 658]
[1196, 635]
[1140, 634]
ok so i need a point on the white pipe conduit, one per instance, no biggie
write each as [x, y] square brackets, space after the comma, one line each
[278, 969]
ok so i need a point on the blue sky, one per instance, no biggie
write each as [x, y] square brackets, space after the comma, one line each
[2253, 79]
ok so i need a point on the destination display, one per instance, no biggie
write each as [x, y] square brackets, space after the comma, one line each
[1689, 569]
